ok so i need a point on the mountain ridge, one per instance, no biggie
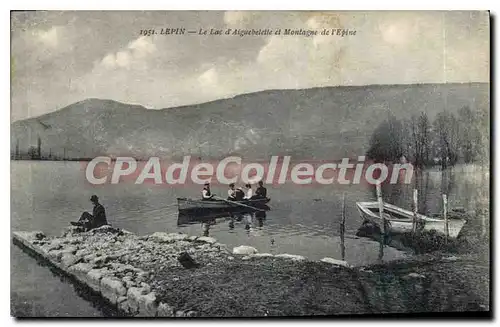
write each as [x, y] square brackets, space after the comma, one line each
[319, 121]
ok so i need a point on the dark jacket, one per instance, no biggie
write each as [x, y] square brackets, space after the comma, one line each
[239, 195]
[99, 215]
[261, 192]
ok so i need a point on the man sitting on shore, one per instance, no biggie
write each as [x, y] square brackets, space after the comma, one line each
[96, 219]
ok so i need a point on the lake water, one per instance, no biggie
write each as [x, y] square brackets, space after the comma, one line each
[303, 220]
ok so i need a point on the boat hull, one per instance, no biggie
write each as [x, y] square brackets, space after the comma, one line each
[399, 220]
[202, 207]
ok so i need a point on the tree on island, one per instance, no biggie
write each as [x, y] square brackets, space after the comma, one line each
[33, 153]
[469, 136]
[446, 134]
[445, 141]
[386, 141]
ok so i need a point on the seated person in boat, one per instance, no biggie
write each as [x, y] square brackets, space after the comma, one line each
[205, 193]
[96, 219]
[239, 194]
[249, 194]
[231, 193]
[261, 191]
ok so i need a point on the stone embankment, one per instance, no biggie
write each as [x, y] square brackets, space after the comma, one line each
[177, 275]
[121, 266]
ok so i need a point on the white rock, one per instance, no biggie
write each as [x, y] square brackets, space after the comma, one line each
[164, 310]
[161, 237]
[147, 305]
[290, 256]
[262, 255]
[80, 270]
[415, 275]
[206, 239]
[70, 249]
[146, 288]
[124, 306]
[82, 253]
[205, 247]
[55, 255]
[129, 284]
[336, 262]
[94, 278]
[244, 250]
[90, 257]
[104, 229]
[68, 259]
[112, 289]
[133, 295]
[100, 260]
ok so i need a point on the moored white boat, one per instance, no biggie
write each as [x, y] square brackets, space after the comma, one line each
[400, 220]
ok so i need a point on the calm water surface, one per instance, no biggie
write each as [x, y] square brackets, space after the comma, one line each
[303, 220]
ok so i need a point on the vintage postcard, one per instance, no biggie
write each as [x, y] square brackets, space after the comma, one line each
[191, 164]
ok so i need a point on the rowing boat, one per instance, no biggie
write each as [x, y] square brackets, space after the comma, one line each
[209, 206]
[400, 220]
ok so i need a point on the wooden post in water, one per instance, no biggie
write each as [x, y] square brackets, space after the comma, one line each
[342, 229]
[415, 210]
[382, 220]
[445, 217]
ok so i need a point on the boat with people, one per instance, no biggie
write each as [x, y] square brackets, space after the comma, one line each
[195, 206]
[400, 220]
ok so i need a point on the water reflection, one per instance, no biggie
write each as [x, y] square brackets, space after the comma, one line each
[466, 186]
[249, 220]
[304, 220]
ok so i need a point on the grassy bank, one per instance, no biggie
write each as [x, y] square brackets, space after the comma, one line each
[277, 287]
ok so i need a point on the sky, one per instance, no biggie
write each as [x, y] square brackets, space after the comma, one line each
[62, 57]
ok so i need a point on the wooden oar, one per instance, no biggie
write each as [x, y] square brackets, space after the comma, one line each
[240, 204]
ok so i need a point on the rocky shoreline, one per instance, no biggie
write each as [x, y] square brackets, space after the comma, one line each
[142, 276]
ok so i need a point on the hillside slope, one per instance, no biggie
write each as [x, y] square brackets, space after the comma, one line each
[319, 123]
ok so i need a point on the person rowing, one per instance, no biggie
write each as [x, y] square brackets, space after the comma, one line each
[239, 194]
[261, 191]
[205, 193]
[231, 193]
[249, 193]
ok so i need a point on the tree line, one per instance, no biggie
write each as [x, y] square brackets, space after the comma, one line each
[448, 139]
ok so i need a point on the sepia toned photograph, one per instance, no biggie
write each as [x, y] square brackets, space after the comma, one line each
[241, 164]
